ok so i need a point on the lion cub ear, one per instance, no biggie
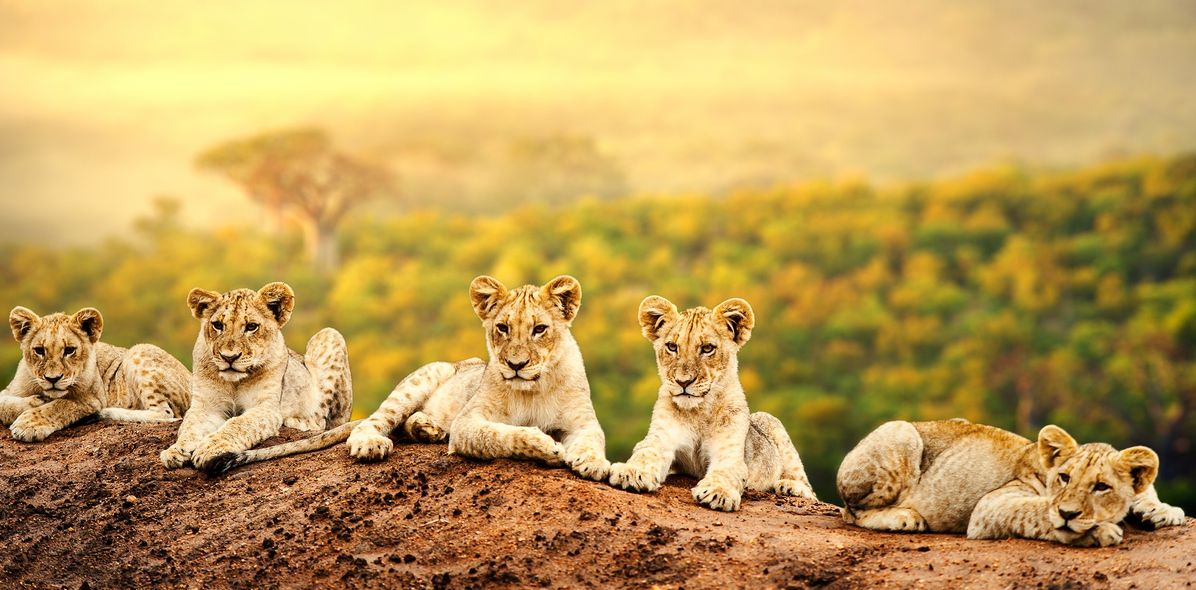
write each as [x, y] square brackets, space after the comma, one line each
[280, 300]
[21, 320]
[565, 292]
[739, 318]
[656, 313]
[1140, 465]
[90, 321]
[1055, 445]
[200, 301]
[485, 293]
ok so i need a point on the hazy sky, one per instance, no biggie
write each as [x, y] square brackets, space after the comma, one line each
[104, 105]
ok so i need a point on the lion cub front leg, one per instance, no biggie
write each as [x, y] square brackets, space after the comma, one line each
[12, 406]
[37, 423]
[722, 487]
[257, 423]
[650, 460]
[1016, 510]
[474, 436]
[370, 440]
[585, 447]
[201, 420]
[1153, 512]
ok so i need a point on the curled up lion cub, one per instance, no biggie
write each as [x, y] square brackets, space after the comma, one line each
[247, 383]
[530, 401]
[66, 374]
[700, 423]
[955, 476]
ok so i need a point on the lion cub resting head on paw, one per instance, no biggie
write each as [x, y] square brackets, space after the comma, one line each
[955, 476]
[700, 424]
[533, 387]
[66, 374]
[247, 383]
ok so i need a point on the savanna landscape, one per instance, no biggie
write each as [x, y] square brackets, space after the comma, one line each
[935, 210]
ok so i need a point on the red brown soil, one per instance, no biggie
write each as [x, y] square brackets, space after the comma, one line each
[91, 507]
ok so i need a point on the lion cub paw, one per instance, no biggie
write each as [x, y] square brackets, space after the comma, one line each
[632, 478]
[1101, 535]
[31, 428]
[588, 464]
[793, 487]
[175, 457]
[368, 445]
[715, 494]
[1161, 515]
[208, 450]
[421, 428]
[538, 446]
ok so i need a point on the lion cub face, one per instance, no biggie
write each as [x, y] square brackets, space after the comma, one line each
[1093, 483]
[695, 349]
[57, 349]
[241, 330]
[525, 326]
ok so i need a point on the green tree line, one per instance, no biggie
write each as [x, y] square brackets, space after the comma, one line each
[1004, 296]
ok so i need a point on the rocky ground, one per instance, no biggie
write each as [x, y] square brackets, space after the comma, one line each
[91, 507]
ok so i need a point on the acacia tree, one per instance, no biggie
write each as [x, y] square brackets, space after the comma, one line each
[298, 171]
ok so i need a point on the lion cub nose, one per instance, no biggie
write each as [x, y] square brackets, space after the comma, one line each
[52, 380]
[685, 383]
[1068, 514]
[229, 358]
[516, 366]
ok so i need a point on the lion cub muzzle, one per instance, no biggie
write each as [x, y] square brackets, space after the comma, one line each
[519, 371]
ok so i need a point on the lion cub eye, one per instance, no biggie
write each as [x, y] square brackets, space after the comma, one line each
[502, 328]
[218, 325]
[1064, 478]
[539, 329]
[707, 348]
[1100, 486]
[68, 351]
[671, 347]
[251, 327]
[39, 350]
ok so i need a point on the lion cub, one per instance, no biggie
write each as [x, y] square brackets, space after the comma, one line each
[700, 424]
[66, 374]
[533, 389]
[247, 383]
[955, 476]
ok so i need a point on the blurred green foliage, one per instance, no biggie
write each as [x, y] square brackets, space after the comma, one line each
[1006, 297]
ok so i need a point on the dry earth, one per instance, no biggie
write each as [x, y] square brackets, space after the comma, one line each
[91, 507]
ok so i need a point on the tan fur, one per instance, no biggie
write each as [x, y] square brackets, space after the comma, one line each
[700, 424]
[246, 383]
[139, 384]
[955, 476]
[533, 386]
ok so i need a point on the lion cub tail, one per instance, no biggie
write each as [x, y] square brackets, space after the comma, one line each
[222, 463]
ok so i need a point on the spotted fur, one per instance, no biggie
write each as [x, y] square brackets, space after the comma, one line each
[533, 386]
[700, 423]
[66, 374]
[955, 476]
[247, 383]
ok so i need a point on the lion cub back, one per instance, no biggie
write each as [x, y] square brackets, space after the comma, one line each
[939, 469]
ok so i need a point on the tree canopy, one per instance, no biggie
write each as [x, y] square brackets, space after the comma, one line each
[298, 171]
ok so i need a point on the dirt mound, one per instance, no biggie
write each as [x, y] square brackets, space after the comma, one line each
[92, 507]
